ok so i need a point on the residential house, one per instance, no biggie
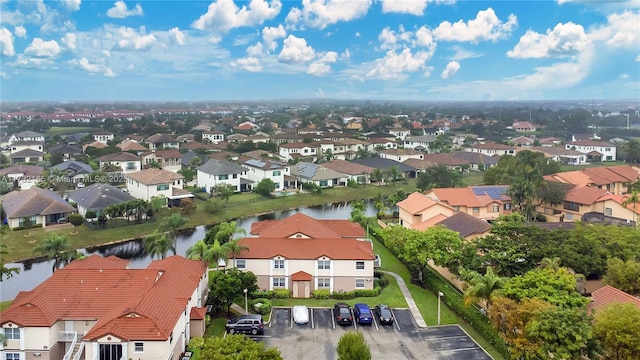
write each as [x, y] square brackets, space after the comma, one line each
[124, 162]
[561, 155]
[386, 164]
[492, 149]
[523, 141]
[131, 146]
[93, 144]
[421, 142]
[186, 138]
[376, 144]
[97, 197]
[524, 126]
[353, 171]
[75, 171]
[67, 151]
[42, 206]
[218, 172]
[614, 179]
[318, 174]
[238, 138]
[99, 308]
[276, 171]
[595, 150]
[213, 136]
[162, 141]
[147, 183]
[26, 151]
[400, 133]
[303, 254]
[400, 155]
[22, 176]
[300, 151]
[419, 211]
[168, 159]
[608, 295]
[452, 163]
[578, 201]
[352, 146]
[467, 226]
[103, 136]
[27, 135]
[476, 160]
[484, 202]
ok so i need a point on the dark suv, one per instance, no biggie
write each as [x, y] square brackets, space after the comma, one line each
[343, 315]
[246, 324]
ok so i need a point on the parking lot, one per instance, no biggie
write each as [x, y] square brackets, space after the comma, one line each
[403, 340]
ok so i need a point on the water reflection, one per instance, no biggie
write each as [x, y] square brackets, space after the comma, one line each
[35, 271]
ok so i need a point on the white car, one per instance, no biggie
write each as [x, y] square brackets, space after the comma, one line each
[300, 314]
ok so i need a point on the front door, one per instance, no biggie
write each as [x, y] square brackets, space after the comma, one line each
[110, 351]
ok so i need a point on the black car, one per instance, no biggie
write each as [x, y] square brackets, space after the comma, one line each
[343, 315]
[384, 314]
[246, 324]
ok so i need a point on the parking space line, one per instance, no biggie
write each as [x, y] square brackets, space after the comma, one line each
[395, 321]
[291, 319]
[373, 318]
[333, 320]
[353, 316]
[311, 310]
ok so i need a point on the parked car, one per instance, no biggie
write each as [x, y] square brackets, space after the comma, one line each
[384, 314]
[300, 314]
[246, 324]
[363, 314]
[342, 312]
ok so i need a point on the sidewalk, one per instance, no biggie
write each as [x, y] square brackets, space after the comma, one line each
[410, 302]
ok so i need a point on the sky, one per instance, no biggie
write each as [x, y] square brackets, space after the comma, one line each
[429, 50]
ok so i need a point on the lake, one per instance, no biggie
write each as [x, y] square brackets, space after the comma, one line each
[32, 273]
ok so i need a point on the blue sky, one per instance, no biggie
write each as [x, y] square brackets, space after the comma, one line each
[356, 49]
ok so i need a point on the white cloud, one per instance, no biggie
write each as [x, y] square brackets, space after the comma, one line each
[424, 37]
[621, 30]
[109, 73]
[486, 26]
[121, 11]
[69, 40]
[33, 62]
[87, 66]
[358, 34]
[345, 55]
[318, 68]
[319, 93]
[4, 75]
[413, 7]
[251, 64]
[6, 42]
[462, 54]
[214, 39]
[321, 13]
[256, 49]
[451, 69]
[638, 58]
[271, 34]
[296, 50]
[72, 5]
[224, 15]
[395, 66]
[20, 31]
[43, 49]
[127, 38]
[564, 40]
[623, 76]
[387, 39]
[176, 36]
[106, 53]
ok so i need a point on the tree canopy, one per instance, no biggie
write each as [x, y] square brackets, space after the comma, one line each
[228, 284]
[237, 347]
[557, 287]
[617, 327]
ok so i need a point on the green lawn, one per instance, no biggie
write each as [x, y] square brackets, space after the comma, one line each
[473, 178]
[5, 304]
[217, 327]
[64, 130]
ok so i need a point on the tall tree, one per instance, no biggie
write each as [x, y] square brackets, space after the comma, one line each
[559, 287]
[632, 199]
[483, 288]
[377, 175]
[631, 150]
[228, 284]
[55, 247]
[394, 174]
[623, 275]
[171, 224]
[617, 327]
[159, 244]
[235, 347]
[223, 191]
[6, 272]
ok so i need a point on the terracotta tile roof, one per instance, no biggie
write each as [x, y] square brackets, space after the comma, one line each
[168, 154]
[306, 249]
[153, 176]
[571, 177]
[585, 195]
[131, 145]
[300, 223]
[608, 294]
[465, 224]
[99, 262]
[25, 170]
[161, 138]
[492, 146]
[416, 202]
[461, 197]
[301, 276]
[198, 313]
[119, 156]
[348, 167]
[629, 172]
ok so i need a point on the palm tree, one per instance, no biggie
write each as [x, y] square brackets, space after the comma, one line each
[218, 251]
[226, 230]
[171, 224]
[377, 175]
[632, 149]
[550, 263]
[56, 247]
[198, 250]
[159, 244]
[483, 287]
[634, 199]
[382, 209]
[394, 173]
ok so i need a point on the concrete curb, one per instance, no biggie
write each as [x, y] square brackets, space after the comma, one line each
[413, 308]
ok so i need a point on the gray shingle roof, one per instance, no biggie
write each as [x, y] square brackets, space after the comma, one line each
[119, 156]
[35, 201]
[73, 167]
[65, 149]
[465, 224]
[383, 164]
[28, 133]
[221, 167]
[26, 153]
[98, 196]
[315, 172]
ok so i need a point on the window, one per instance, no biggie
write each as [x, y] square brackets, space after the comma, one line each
[278, 264]
[324, 183]
[235, 176]
[496, 208]
[324, 264]
[171, 338]
[608, 211]
[359, 283]
[12, 333]
[569, 216]
[241, 264]
[476, 209]
[162, 187]
[324, 283]
[138, 347]
[12, 356]
[223, 177]
[359, 265]
[507, 206]
[456, 208]
[568, 205]
[276, 173]
[278, 282]
[131, 166]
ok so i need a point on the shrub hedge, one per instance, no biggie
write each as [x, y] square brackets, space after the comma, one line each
[265, 294]
[261, 305]
[281, 294]
[321, 294]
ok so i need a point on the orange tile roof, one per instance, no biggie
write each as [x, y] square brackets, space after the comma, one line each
[301, 276]
[153, 176]
[429, 222]
[198, 313]
[608, 294]
[131, 304]
[416, 202]
[584, 195]
[306, 249]
[304, 224]
[461, 197]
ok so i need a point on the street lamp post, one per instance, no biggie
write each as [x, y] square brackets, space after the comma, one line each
[440, 295]
[246, 303]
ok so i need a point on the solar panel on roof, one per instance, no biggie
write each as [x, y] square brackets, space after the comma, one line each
[256, 163]
[492, 191]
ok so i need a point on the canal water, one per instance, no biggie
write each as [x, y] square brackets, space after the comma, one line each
[33, 272]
